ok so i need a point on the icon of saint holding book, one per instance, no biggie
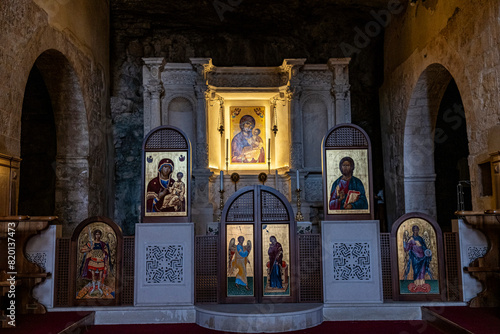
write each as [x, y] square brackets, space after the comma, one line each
[347, 191]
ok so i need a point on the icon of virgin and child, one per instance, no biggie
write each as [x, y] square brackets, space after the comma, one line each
[164, 193]
[347, 192]
[247, 146]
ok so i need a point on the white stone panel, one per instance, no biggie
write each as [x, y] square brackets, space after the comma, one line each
[164, 264]
[41, 249]
[145, 315]
[473, 244]
[351, 262]
[259, 318]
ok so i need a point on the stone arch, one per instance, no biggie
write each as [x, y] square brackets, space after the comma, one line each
[314, 108]
[395, 95]
[72, 137]
[418, 151]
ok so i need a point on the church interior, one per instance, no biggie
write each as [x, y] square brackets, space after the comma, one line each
[250, 166]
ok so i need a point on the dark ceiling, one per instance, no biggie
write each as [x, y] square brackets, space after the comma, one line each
[224, 13]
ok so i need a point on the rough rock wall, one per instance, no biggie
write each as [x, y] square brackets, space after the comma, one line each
[464, 37]
[234, 41]
[79, 31]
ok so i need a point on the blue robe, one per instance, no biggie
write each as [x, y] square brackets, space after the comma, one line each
[418, 260]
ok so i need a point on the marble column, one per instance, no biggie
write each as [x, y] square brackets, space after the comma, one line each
[153, 89]
[202, 66]
[202, 210]
[292, 67]
[341, 90]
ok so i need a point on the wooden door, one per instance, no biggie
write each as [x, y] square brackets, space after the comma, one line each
[257, 248]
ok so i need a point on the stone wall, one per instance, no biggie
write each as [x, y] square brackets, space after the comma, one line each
[249, 44]
[435, 39]
[72, 34]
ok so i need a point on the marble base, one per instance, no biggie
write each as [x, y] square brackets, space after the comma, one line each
[212, 228]
[304, 227]
[351, 262]
[164, 264]
[41, 249]
[388, 311]
[173, 315]
[473, 244]
[132, 315]
[258, 318]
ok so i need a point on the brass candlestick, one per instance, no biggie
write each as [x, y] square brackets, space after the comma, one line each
[298, 217]
[221, 204]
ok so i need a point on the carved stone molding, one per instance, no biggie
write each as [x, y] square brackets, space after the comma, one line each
[242, 79]
[317, 78]
[179, 77]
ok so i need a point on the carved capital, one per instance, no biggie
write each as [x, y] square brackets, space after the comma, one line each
[293, 93]
[203, 66]
[340, 69]
[340, 92]
[202, 91]
[154, 88]
[291, 71]
[155, 66]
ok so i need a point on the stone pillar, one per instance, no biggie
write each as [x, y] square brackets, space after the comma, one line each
[420, 193]
[202, 67]
[153, 89]
[294, 91]
[72, 189]
[202, 210]
[341, 89]
[292, 68]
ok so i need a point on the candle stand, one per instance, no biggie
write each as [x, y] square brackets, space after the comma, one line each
[221, 204]
[298, 217]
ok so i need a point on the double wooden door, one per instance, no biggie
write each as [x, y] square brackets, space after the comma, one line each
[257, 248]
